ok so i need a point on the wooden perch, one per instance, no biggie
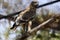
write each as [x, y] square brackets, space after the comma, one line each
[25, 35]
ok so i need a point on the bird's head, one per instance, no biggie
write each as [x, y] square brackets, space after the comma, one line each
[34, 4]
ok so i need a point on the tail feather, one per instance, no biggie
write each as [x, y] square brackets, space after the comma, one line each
[14, 26]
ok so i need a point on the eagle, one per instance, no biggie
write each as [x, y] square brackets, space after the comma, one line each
[26, 16]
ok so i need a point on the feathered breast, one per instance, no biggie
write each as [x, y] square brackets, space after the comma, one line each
[29, 14]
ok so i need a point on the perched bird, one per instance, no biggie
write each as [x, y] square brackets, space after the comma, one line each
[26, 16]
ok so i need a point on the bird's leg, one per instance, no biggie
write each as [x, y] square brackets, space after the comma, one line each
[29, 25]
[23, 26]
[26, 27]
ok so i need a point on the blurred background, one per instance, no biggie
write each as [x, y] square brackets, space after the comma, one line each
[12, 6]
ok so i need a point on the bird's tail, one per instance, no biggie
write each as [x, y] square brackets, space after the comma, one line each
[14, 26]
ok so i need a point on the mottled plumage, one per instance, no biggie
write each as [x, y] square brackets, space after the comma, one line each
[27, 15]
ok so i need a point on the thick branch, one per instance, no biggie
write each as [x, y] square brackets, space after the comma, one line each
[38, 27]
[25, 35]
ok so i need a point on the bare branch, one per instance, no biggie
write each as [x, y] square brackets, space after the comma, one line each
[9, 18]
[38, 27]
[12, 14]
[25, 35]
[48, 3]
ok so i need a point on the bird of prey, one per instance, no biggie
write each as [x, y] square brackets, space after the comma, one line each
[26, 16]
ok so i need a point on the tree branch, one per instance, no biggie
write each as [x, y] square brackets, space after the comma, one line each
[12, 14]
[48, 3]
[25, 35]
[9, 18]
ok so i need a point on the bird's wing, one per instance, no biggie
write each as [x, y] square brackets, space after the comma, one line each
[22, 13]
